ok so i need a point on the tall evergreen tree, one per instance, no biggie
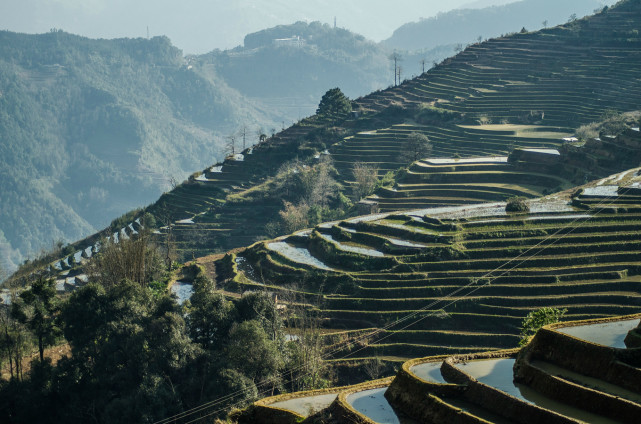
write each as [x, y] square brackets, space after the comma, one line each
[334, 104]
[37, 308]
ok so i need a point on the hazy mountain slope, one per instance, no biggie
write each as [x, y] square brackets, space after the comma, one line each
[292, 78]
[466, 25]
[92, 128]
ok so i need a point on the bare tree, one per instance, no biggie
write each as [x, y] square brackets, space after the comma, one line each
[365, 179]
[306, 366]
[173, 182]
[286, 175]
[167, 242]
[136, 259]
[294, 217]
[320, 185]
[374, 367]
[14, 343]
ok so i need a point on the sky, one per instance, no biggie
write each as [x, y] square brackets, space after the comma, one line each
[199, 26]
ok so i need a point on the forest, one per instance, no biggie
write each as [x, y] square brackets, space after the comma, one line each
[134, 354]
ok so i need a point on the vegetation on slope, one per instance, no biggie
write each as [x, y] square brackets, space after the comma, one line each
[136, 355]
[92, 128]
[488, 100]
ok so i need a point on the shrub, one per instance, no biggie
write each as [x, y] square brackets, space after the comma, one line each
[516, 204]
[431, 115]
[587, 132]
[537, 319]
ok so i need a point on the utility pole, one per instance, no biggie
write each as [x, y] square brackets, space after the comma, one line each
[147, 32]
[423, 64]
[396, 58]
[244, 132]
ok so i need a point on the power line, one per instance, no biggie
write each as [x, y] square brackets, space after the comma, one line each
[488, 275]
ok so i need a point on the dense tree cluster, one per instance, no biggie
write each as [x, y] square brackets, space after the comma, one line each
[136, 355]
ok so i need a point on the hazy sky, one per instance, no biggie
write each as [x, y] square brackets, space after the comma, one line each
[198, 26]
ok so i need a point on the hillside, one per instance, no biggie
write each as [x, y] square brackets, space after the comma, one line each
[534, 107]
[289, 67]
[90, 129]
[507, 180]
[466, 275]
[157, 107]
[527, 90]
[465, 26]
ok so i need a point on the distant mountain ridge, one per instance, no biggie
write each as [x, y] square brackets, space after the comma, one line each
[466, 25]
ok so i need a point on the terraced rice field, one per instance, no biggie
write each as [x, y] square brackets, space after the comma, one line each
[436, 183]
[466, 276]
[528, 90]
[559, 377]
[546, 78]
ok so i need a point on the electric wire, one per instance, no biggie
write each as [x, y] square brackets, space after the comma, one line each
[435, 302]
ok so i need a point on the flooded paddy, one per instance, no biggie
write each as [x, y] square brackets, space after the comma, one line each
[498, 373]
[297, 254]
[454, 161]
[601, 191]
[609, 334]
[372, 404]
[586, 381]
[429, 371]
[307, 405]
[183, 290]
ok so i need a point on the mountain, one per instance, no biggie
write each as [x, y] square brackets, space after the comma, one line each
[205, 24]
[442, 258]
[510, 92]
[90, 129]
[289, 67]
[465, 26]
